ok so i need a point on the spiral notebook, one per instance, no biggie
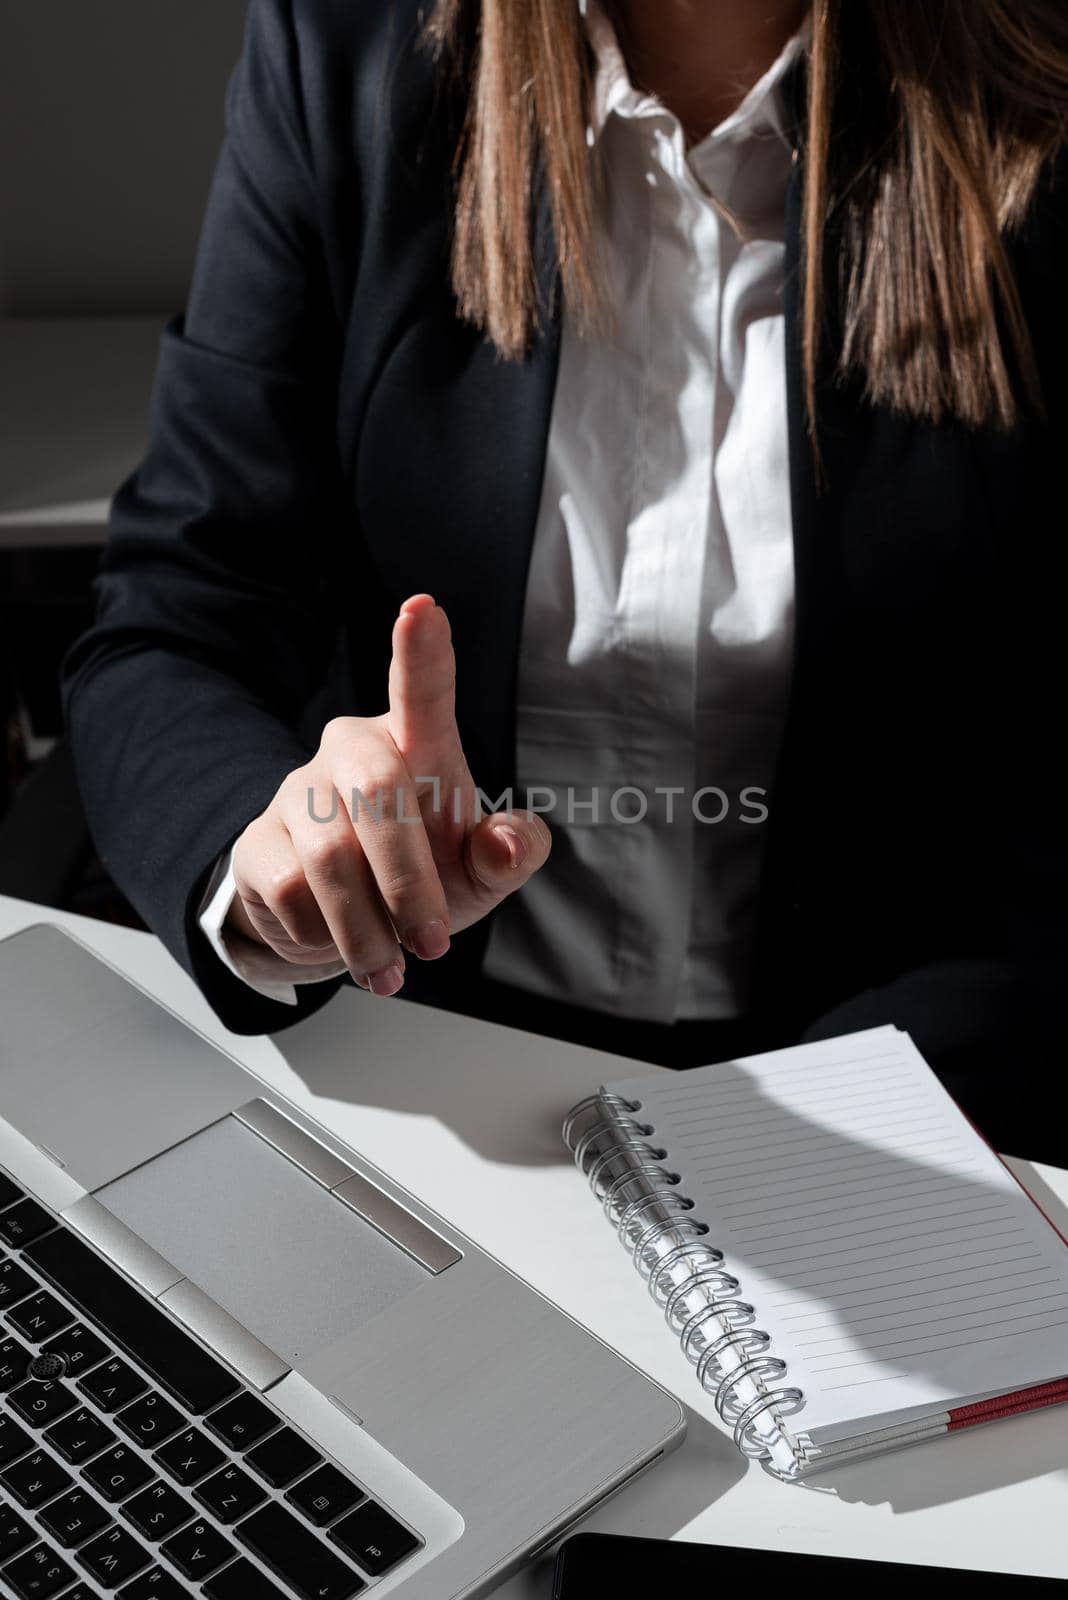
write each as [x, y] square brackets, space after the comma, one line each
[847, 1264]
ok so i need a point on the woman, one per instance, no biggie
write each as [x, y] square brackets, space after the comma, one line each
[706, 363]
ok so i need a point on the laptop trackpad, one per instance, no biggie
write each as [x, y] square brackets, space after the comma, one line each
[270, 1245]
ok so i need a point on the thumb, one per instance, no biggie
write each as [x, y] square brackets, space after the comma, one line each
[504, 851]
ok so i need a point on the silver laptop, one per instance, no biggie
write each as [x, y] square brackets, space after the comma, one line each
[236, 1361]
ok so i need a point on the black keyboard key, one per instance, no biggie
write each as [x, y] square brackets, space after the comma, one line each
[190, 1457]
[198, 1550]
[79, 1436]
[35, 1479]
[324, 1494]
[73, 1518]
[40, 1404]
[155, 1584]
[79, 1347]
[298, 1556]
[15, 1283]
[230, 1494]
[282, 1457]
[242, 1421]
[178, 1364]
[38, 1318]
[15, 1534]
[374, 1538]
[241, 1581]
[9, 1192]
[81, 1591]
[150, 1420]
[113, 1557]
[14, 1441]
[38, 1574]
[14, 1359]
[117, 1473]
[157, 1511]
[24, 1222]
[112, 1384]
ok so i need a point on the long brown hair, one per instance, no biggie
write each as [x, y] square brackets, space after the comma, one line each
[929, 123]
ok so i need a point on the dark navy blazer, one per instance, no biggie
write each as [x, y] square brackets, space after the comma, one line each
[328, 438]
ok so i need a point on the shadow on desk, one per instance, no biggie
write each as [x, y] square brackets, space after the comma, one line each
[957, 1467]
[504, 1094]
[941, 1472]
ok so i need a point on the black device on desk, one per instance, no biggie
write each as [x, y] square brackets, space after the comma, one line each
[592, 1565]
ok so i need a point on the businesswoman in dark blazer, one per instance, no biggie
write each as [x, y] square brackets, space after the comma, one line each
[691, 382]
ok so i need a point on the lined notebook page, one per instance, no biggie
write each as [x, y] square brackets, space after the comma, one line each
[893, 1259]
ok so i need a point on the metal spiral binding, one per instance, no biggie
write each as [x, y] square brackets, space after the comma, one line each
[642, 1200]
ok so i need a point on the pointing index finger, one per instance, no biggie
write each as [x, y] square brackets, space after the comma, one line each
[422, 689]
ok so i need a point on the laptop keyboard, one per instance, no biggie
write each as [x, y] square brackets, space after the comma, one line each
[134, 1463]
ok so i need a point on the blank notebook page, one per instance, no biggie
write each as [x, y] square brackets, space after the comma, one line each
[895, 1262]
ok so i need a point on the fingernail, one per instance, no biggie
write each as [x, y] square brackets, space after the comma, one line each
[388, 981]
[430, 940]
[517, 848]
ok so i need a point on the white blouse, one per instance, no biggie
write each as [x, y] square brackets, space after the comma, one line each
[656, 633]
[656, 640]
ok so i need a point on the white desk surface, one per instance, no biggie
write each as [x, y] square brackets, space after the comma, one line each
[467, 1116]
[74, 404]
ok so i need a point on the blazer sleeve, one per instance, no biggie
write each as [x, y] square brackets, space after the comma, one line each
[217, 609]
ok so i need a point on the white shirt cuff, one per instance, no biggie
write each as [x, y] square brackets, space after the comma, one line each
[255, 964]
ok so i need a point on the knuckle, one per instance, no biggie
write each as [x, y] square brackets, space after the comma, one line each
[308, 792]
[401, 883]
[338, 730]
[375, 791]
[307, 930]
[487, 895]
[287, 889]
[241, 861]
[367, 950]
[541, 838]
[485, 891]
[307, 954]
[436, 691]
[249, 843]
[326, 854]
[295, 783]
[276, 941]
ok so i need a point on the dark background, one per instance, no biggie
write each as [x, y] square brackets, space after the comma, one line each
[111, 114]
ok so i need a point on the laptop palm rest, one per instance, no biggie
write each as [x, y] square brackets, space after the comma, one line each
[93, 1071]
[282, 1253]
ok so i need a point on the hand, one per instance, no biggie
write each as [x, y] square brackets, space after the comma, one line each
[362, 885]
